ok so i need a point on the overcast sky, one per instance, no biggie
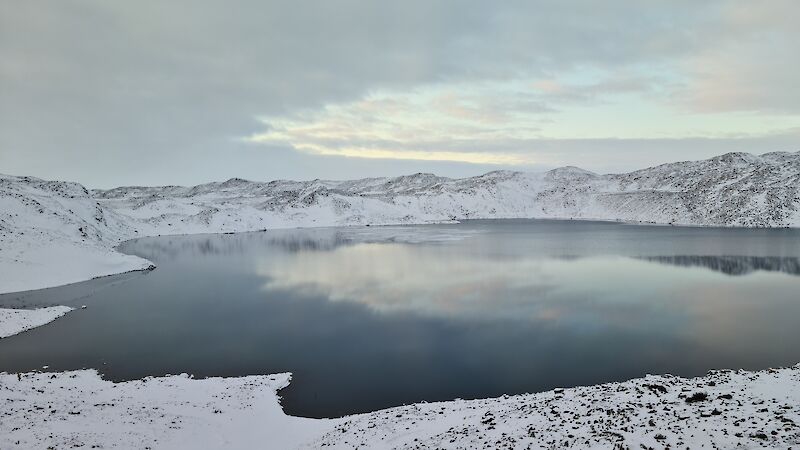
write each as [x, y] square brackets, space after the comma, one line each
[114, 93]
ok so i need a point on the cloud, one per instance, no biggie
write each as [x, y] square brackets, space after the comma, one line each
[499, 125]
[151, 91]
[391, 278]
[749, 62]
[427, 125]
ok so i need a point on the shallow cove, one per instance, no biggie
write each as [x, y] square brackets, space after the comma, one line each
[372, 317]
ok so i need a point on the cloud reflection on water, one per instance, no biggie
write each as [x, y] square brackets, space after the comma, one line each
[452, 282]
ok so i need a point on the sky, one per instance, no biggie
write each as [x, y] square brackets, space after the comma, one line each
[154, 92]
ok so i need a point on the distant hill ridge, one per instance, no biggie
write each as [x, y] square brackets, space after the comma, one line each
[40, 220]
[735, 189]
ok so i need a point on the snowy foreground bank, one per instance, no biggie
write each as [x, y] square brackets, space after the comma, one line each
[724, 409]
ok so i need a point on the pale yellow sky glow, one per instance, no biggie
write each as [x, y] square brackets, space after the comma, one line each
[501, 123]
[419, 155]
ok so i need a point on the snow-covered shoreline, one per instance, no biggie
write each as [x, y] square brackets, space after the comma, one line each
[723, 409]
[54, 232]
[15, 321]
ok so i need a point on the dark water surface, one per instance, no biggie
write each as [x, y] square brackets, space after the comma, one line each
[368, 318]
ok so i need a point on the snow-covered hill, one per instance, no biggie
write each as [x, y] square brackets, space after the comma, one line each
[736, 189]
[54, 232]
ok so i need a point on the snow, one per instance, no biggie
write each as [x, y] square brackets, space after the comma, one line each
[13, 321]
[723, 409]
[55, 232]
[79, 409]
[748, 409]
[59, 263]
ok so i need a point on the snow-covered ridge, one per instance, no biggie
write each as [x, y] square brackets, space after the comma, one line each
[54, 232]
[736, 189]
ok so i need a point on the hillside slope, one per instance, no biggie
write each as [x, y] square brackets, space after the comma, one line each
[736, 189]
[54, 232]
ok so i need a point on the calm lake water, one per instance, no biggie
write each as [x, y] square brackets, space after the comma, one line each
[368, 318]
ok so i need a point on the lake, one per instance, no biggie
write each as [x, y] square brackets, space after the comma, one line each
[373, 317]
